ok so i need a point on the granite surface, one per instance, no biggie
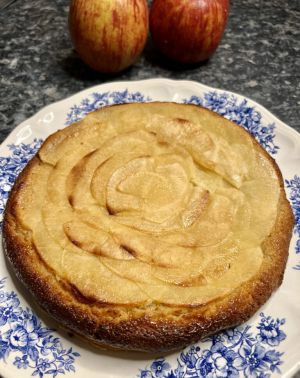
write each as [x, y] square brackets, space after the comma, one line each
[259, 57]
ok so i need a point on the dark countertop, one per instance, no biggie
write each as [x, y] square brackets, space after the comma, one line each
[259, 57]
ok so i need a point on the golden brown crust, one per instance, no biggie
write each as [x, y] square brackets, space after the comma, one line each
[154, 327]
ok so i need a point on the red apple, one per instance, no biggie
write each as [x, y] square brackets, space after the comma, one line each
[108, 35]
[188, 31]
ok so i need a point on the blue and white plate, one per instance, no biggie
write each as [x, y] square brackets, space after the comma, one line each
[266, 346]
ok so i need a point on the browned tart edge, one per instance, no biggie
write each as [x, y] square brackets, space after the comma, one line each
[157, 327]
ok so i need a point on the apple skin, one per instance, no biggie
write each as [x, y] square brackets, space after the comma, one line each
[108, 35]
[188, 31]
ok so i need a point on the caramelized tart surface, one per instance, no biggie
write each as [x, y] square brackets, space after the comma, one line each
[149, 226]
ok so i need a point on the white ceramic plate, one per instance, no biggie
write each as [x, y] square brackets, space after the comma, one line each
[268, 345]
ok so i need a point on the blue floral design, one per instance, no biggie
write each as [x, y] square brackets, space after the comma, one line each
[294, 188]
[221, 360]
[158, 367]
[238, 352]
[270, 332]
[11, 166]
[242, 113]
[34, 346]
[258, 360]
[98, 100]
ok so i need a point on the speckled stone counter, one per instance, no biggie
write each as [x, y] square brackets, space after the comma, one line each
[259, 57]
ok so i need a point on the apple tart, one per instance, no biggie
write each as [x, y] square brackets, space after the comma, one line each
[149, 226]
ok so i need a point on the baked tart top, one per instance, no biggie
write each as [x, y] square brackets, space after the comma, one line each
[145, 206]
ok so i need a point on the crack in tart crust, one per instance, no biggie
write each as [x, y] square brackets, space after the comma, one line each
[149, 226]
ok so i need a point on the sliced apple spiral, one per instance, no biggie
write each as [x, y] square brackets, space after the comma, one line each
[148, 204]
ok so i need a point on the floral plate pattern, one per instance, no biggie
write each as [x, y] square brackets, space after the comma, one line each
[266, 346]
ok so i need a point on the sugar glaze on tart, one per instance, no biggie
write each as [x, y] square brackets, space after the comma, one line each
[149, 226]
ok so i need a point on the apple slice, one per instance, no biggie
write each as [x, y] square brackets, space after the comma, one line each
[95, 240]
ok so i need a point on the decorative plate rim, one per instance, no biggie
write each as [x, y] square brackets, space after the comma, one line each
[126, 83]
